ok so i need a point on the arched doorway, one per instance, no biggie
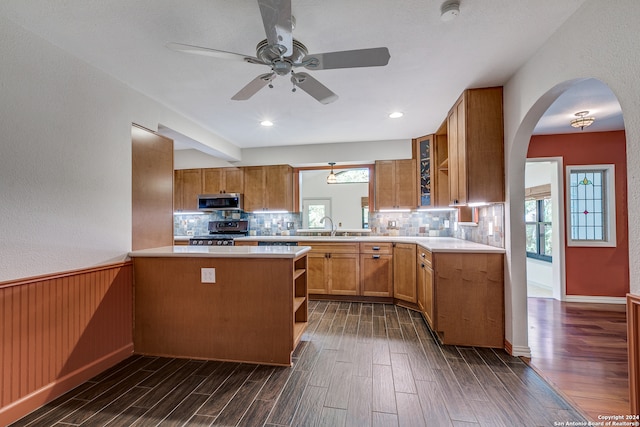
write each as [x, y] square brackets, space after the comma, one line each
[580, 149]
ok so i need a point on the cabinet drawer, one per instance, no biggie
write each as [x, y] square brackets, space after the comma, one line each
[376, 248]
[335, 248]
[424, 255]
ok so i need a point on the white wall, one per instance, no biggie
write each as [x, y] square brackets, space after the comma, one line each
[539, 273]
[538, 173]
[65, 157]
[321, 154]
[607, 41]
[346, 207]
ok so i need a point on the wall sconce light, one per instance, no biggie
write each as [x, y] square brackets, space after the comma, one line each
[582, 121]
[332, 179]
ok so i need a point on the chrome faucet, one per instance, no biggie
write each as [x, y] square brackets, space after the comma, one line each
[333, 228]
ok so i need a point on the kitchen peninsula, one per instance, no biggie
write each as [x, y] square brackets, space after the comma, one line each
[457, 285]
[245, 304]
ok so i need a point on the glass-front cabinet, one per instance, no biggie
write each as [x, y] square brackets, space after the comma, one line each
[423, 155]
[431, 154]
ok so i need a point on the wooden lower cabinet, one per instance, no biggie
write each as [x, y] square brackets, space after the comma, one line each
[351, 269]
[248, 243]
[376, 269]
[334, 269]
[468, 298]
[255, 312]
[404, 272]
[424, 285]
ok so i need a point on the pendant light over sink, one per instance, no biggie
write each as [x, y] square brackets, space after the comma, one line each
[332, 179]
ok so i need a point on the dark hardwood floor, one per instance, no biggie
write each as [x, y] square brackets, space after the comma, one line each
[581, 349]
[358, 365]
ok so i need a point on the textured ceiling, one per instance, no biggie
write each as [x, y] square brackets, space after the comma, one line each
[431, 63]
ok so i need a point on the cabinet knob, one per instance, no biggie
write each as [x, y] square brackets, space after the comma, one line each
[376, 248]
[375, 256]
[423, 255]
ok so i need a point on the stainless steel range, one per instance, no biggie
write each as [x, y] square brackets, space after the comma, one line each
[221, 233]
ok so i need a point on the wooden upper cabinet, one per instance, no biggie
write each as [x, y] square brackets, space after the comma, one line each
[396, 184]
[268, 188]
[177, 190]
[475, 134]
[187, 186]
[222, 180]
[432, 168]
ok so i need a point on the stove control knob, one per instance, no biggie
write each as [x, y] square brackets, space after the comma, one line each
[210, 242]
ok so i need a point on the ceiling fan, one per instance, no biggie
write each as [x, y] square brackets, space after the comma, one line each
[283, 53]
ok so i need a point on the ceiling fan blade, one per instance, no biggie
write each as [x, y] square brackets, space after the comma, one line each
[276, 17]
[374, 57]
[314, 88]
[253, 87]
[187, 48]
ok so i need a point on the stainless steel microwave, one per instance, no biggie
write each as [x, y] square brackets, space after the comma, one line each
[222, 201]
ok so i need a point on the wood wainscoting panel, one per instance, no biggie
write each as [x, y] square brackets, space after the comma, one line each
[57, 331]
[633, 342]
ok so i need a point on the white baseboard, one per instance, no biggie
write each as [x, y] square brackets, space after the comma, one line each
[595, 299]
[521, 351]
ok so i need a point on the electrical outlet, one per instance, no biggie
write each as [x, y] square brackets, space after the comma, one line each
[289, 225]
[208, 275]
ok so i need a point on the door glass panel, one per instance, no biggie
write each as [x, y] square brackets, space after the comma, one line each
[313, 211]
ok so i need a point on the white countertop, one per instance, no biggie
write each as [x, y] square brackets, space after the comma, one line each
[222, 252]
[434, 244]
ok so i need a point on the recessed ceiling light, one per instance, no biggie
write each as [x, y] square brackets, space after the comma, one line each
[266, 123]
[396, 115]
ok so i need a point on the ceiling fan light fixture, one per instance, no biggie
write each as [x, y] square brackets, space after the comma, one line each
[449, 10]
[582, 120]
[331, 178]
[266, 123]
[396, 115]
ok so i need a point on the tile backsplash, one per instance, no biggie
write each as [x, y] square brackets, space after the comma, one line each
[275, 224]
[423, 224]
[489, 229]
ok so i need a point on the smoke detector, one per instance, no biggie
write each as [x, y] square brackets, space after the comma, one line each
[449, 10]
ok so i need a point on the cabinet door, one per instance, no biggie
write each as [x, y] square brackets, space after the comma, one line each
[191, 187]
[420, 285]
[462, 151]
[423, 151]
[385, 197]
[177, 190]
[376, 275]
[454, 162]
[233, 180]
[429, 296]
[404, 272]
[406, 185]
[279, 187]
[343, 273]
[212, 182]
[317, 282]
[254, 184]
